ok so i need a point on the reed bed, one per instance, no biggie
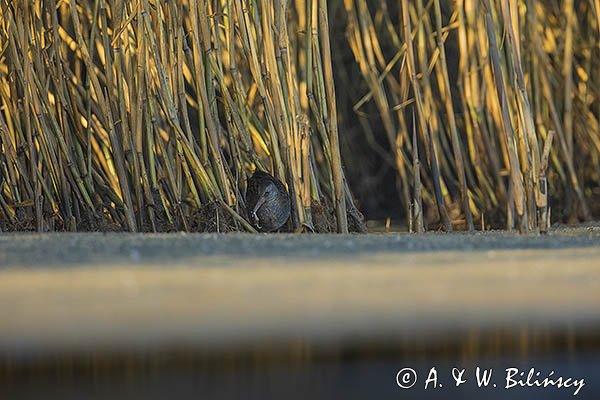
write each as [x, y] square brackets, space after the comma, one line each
[504, 96]
[147, 115]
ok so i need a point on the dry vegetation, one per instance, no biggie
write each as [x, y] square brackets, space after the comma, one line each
[145, 115]
[148, 116]
[490, 112]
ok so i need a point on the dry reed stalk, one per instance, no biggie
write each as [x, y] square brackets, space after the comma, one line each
[417, 204]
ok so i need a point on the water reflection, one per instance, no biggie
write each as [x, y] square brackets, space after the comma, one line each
[303, 370]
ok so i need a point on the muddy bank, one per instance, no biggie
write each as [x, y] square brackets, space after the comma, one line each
[102, 249]
[79, 291]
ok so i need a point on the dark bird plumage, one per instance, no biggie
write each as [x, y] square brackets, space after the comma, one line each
[268, 202]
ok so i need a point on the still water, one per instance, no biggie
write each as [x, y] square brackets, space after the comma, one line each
[368, 373]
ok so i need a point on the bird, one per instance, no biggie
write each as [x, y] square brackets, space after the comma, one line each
[268, 202]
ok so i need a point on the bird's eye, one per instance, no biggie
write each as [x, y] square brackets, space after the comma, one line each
[267, 193]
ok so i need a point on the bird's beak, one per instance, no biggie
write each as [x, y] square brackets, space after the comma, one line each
[259, 204]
